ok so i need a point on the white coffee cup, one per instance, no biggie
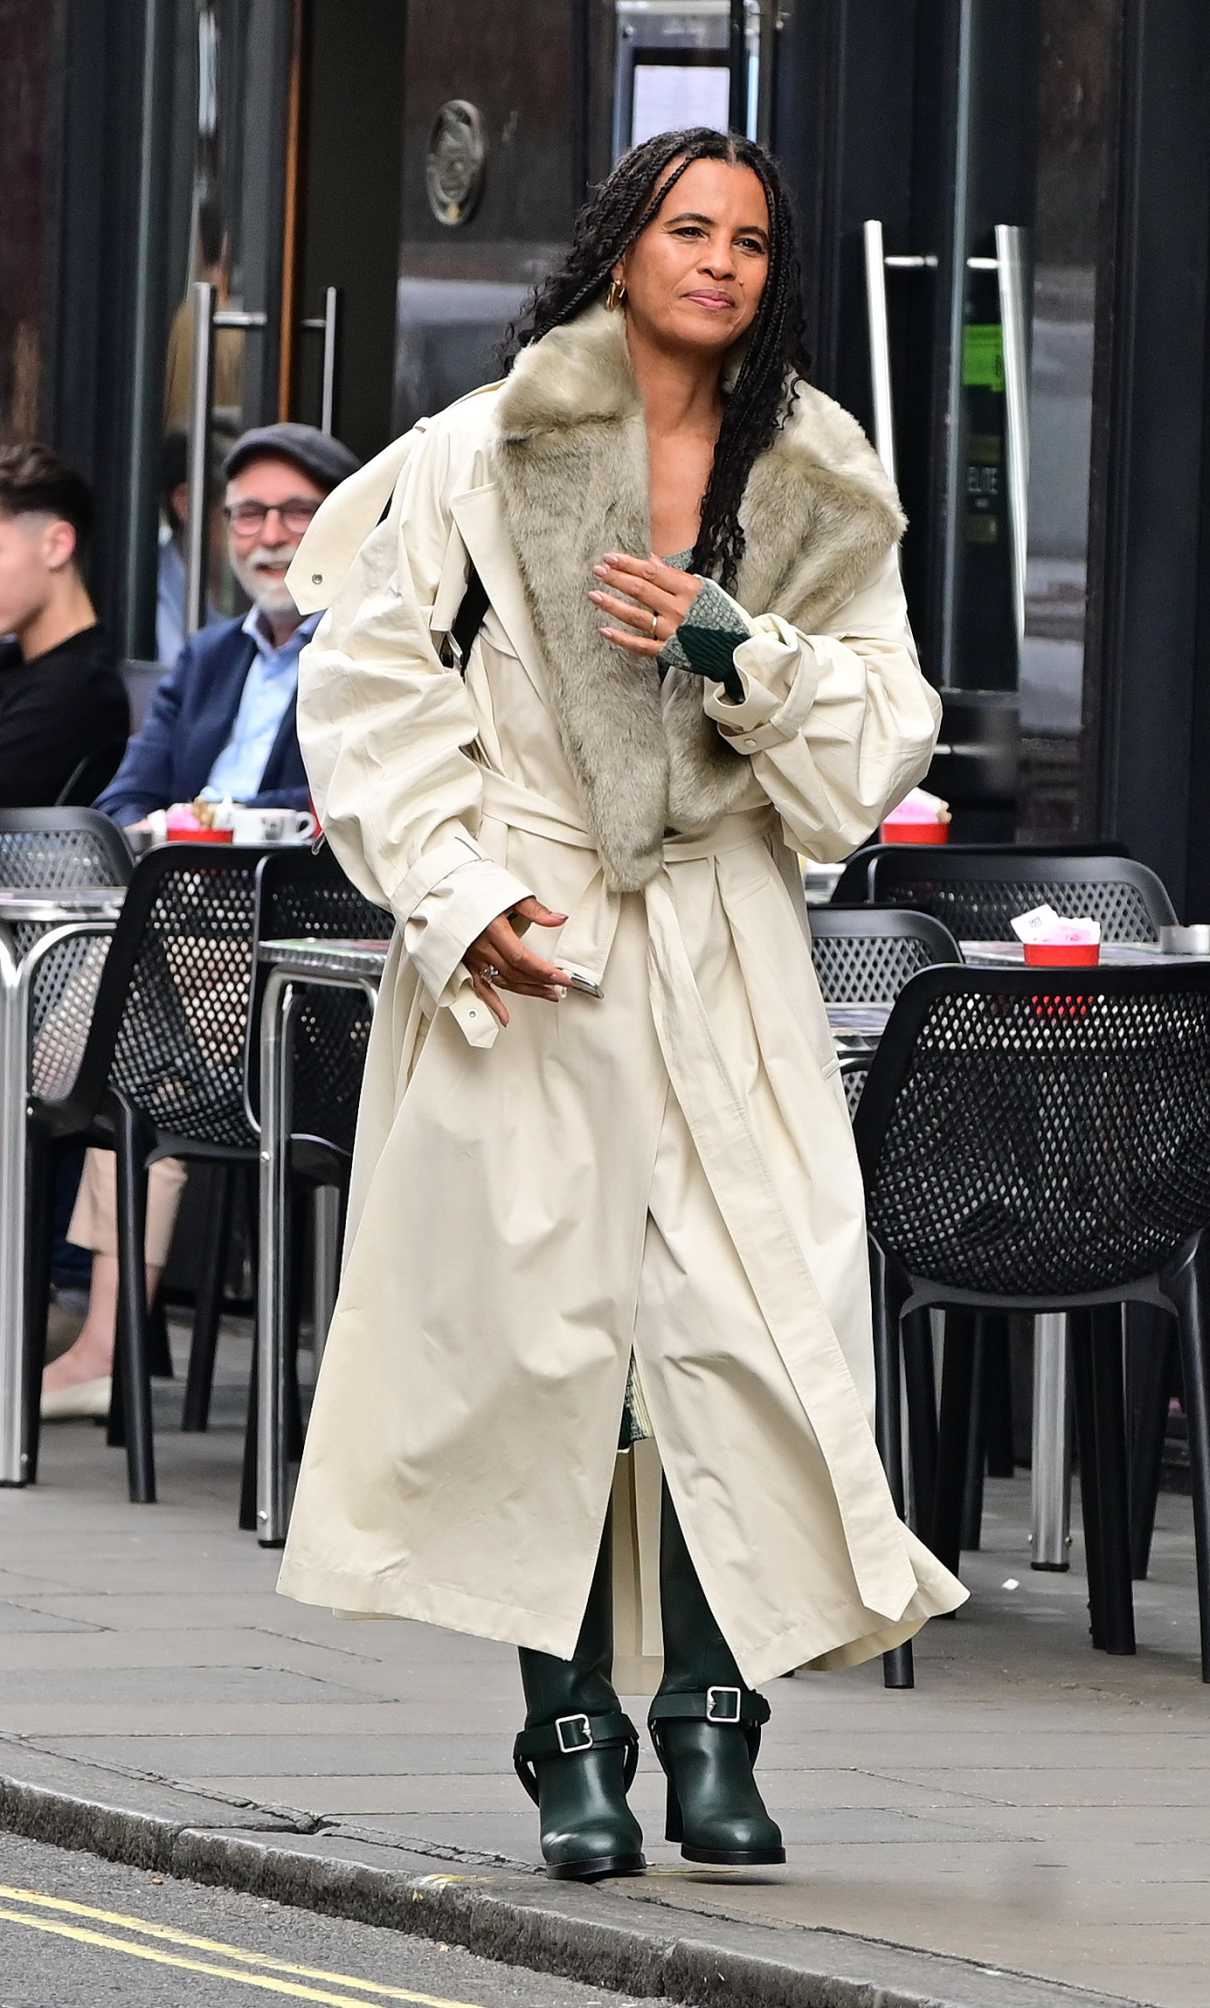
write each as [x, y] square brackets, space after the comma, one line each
[270, 826]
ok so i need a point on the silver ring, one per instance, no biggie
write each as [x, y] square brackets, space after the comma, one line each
[655, 622]
[490, 973]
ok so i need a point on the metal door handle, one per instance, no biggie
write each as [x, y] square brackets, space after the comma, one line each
[876, 264]
[206, 318]
[1014, 321]
[327, 324]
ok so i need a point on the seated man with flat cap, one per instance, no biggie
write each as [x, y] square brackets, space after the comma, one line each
[223, 717]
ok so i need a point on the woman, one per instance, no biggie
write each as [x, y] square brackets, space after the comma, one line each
[638, 1200]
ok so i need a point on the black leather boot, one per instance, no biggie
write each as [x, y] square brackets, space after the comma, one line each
[578, 1753]
[706, 1725]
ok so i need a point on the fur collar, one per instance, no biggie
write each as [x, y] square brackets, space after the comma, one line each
[572, 457]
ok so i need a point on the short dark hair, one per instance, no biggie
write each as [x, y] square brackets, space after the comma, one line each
[35, 482]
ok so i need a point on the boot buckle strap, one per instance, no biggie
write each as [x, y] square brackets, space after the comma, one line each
[573, 1733]
[724, 1704]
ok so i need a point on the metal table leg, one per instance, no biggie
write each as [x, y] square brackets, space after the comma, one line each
[327, 1263]
[272, 1263]
[1051, 1445]
[13, 1092]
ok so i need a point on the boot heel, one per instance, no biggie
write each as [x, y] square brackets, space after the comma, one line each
[674, 1828]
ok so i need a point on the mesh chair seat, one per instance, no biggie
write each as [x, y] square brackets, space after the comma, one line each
[1040, 1142]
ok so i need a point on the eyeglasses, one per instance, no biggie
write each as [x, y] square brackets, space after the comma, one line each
[247, 519]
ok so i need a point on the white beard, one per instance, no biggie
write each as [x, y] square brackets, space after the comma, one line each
[273, 598]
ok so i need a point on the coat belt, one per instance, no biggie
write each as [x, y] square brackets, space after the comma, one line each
[730, 1153]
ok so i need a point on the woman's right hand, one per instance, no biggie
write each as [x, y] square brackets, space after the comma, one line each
[499, 960]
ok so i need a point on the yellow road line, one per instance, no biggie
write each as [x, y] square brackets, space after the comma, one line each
[231, 1952]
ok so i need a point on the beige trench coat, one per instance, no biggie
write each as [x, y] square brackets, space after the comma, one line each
[669, 1170]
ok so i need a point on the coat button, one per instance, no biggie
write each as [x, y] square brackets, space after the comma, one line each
[317, 578]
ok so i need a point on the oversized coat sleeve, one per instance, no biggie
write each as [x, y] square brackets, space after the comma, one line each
[838, 725]
[384, 728]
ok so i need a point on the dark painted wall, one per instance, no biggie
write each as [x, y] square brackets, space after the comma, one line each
[522, 67]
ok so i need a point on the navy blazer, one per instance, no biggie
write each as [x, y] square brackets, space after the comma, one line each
[189, 721]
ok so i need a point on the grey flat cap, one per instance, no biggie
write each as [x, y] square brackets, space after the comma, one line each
[326, 460]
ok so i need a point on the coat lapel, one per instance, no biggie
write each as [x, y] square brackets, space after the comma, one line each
[571, 454]
[483, 528]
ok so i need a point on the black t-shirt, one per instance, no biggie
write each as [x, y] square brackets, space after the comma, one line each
[54, 710]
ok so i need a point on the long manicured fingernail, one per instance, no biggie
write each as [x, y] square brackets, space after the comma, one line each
[601, 571]
[598, 599]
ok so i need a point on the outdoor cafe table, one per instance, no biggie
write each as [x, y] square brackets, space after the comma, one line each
[856, 1028]
[33, 923]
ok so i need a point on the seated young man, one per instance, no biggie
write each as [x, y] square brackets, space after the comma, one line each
[223, 718]
[61, 692]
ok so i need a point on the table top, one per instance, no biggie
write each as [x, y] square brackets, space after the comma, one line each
[358, 961]
[51, 903]
[1114, 955]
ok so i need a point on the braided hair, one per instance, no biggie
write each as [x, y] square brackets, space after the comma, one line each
[617, 213]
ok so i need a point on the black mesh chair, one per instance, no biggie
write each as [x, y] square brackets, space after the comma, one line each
[978, 893]
[61, 850]
[865, 955]
[1040, 1141]
[301, 896]
[854, 883]
[163, 1075]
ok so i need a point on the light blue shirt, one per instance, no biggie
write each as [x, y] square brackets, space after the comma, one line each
[170, 635]
[268, 689]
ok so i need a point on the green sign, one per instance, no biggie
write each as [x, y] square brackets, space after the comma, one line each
[983, 355]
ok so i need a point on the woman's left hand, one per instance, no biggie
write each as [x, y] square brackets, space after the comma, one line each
[664, 597]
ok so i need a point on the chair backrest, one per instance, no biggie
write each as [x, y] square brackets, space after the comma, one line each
[169, 1028]
[977, 893]
[62, 849]
[142, 680]
[854, 882]
[865, 954]
[303, 894]
[1032, 1133]
[94, 772]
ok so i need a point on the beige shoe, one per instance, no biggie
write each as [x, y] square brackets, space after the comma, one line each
[88, 1398]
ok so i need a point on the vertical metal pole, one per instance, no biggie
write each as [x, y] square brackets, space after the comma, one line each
[197, 541]
[1051, 1445]
[880, 343]
[273, 1261]
[737, 112]
[331, 328]
[326, 1225]
[12, 1215]
[1014, 323]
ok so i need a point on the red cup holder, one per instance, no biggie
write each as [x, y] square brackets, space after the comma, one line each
[915, 833]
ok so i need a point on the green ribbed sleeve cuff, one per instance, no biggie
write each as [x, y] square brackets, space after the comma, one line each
[706, 641]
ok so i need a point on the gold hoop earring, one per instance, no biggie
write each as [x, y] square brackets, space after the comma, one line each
[616, 294]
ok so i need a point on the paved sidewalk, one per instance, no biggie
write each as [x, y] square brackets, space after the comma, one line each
[1032, 1806]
